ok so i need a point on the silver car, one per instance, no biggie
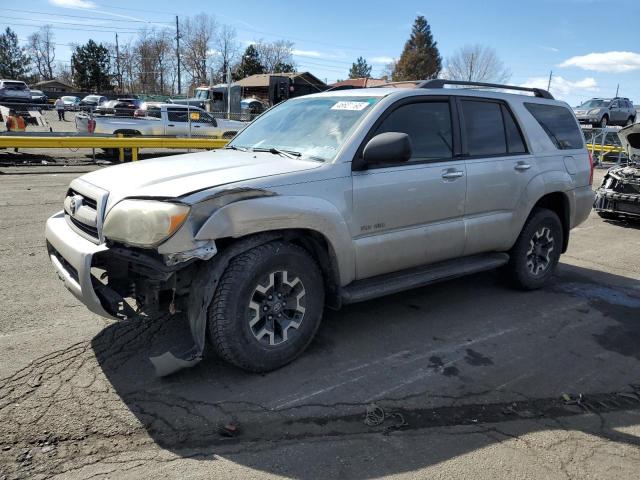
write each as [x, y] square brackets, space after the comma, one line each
[601, 112]
[326, 200]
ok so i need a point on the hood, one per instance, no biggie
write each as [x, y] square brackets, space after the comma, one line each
[179, 175]
[630, 139]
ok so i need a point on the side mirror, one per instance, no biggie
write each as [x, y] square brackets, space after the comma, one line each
[389, 147]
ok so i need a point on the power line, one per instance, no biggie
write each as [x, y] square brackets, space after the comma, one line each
[67, 28]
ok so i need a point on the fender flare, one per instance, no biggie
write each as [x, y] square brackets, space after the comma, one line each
[286, 212]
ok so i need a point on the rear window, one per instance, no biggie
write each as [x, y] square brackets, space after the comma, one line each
[559, 124]
[15, 85]
[153, 112]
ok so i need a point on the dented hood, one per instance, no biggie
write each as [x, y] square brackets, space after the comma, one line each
[630, 139]
[179, 175]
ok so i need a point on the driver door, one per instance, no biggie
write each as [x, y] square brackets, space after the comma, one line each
[411, 214]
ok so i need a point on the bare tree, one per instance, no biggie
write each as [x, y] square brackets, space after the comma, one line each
[389, 68]
[43, 51]
[197, 39]
[476, 63]
[275, 54]
[64, 73]
[227, 49]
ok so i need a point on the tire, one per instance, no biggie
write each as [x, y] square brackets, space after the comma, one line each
[243, 335]
[630, 121]
[527, 268]
[604, 121]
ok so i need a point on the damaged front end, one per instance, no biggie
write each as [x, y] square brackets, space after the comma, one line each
[619, 194]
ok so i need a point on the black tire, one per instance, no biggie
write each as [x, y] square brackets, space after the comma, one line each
[608, 215]
[604, 121]
[528, 268]
[231, 332]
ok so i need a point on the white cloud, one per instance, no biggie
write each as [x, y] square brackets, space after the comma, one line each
[73, 3]
[561, 87]
[382, 59]
[550, 49]
[614, 62]
[310, 53]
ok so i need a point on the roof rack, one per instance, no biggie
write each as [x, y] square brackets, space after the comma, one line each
[440, 83]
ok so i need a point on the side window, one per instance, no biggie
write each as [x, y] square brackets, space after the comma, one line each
[515, 142]
[175, 115]
[206, 118]
[484, 128]
[153, 112]
[428, 124]
[559, 124]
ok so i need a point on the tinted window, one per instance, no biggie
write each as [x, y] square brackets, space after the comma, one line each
[427, 124]
[484, 128]
[515, 142]
[153, 112]
[177, 115]
[559, 124]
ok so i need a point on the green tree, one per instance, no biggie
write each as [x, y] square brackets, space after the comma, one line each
[360, 69]
[249, 64]
[14, 62]
[91, 67]
[420, 59]
[283, 67]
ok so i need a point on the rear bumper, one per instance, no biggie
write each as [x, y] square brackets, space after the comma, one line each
[72, 256]
[582, 204]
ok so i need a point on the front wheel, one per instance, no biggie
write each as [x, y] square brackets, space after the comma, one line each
[267, 307]
[604, 121]
[534, 257]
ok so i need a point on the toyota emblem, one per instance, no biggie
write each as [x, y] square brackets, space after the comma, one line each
[74, 204]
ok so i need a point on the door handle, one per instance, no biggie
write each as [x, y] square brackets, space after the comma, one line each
[450, 175]
[170, 125]
[196, 126]
[522, 166]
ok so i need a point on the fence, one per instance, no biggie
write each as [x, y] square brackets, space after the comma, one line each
[604, 144]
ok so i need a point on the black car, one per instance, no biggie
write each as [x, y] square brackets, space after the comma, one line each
[124, 107]
[38, 97]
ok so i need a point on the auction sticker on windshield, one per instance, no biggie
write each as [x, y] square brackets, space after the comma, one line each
[345, 105]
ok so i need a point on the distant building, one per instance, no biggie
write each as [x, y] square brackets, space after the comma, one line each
[274, 87]
[358, 83]
[54, 86]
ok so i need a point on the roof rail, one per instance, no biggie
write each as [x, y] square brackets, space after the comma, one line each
[440, 83]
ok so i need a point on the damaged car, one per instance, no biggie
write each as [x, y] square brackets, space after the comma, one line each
[619, 194]
[326, 200]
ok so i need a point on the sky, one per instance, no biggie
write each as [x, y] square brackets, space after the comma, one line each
[590, 45]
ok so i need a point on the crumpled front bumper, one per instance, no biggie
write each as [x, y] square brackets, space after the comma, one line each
[71, 256]
[614, 202]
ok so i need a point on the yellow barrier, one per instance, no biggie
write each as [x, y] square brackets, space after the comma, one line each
[604, 148]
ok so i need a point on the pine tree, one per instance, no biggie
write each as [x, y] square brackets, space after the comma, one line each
[283, 67]
[91, 67]
[14, 62]
[249, 65]
[360, 69]
[420, 59]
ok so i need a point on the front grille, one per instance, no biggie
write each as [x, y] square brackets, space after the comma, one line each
[89, 202]
[83, 210]
[88, 229]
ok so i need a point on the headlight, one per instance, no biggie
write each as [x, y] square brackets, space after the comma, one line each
[144, 223]
[594, 111]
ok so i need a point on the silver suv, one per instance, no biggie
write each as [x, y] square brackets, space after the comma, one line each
[601, 112]
[13, 92]
[326, 200]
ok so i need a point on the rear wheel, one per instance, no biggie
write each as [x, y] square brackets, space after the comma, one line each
[534, 257]
[267, 307]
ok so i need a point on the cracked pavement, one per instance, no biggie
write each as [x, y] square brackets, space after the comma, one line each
[476, 369]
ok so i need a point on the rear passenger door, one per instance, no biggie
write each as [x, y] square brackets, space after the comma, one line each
[499, 167]
[411, 214]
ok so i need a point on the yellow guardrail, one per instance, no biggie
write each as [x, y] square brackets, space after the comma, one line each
[604, 148]
[119, 142]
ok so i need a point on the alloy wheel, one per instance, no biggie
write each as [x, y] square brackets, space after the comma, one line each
[539, 254]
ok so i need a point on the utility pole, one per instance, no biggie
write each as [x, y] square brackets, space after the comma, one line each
[549, 84]
[118, 66]
[178, 53]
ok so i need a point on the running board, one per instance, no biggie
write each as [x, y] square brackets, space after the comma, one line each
[387, 284]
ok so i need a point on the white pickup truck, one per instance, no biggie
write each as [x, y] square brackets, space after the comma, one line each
[162, 119]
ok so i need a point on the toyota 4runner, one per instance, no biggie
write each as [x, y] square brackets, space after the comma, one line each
[325, 200]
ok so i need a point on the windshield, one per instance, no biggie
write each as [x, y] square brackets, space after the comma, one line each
[15, 86]
[202, 94]
[69, 99]
[315, 127]
[595, 104]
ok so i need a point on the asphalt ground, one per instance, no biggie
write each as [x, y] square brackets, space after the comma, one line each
[470, 375]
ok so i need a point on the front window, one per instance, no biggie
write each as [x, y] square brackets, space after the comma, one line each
[314, 127]
[595, 104]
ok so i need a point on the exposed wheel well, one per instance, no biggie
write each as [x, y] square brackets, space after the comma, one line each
[319, 247]
[127, 132]
[558, 203]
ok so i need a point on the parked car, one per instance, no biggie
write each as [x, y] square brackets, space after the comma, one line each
[122, 107]
[619, 194]
[326, 200]
[38, 97]
[601, 112]
[92, 101]
[251, 107]
[14, 91]
[71, 102]
[162, 119]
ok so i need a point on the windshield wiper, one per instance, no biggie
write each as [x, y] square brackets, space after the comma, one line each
[277, 151]
[234, 147]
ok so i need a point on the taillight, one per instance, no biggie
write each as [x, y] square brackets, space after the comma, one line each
[91, 125]
[139, 113]
[590, 169]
